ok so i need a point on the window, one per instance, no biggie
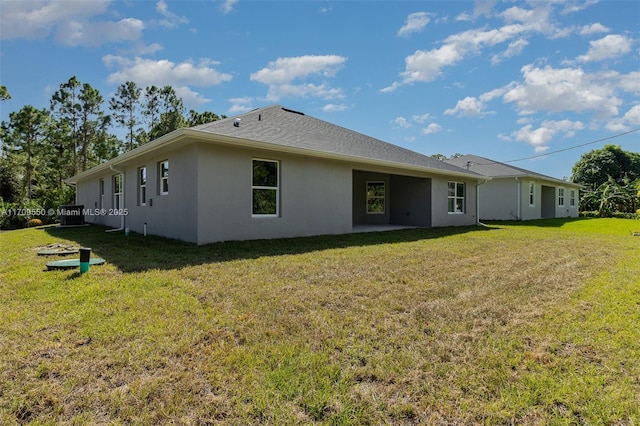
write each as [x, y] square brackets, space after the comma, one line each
[572, 198]
[164, 177]
[117, 191]
[561, 197]
[265, 188]
[142, 186]
[532, 193]
[456, 197]
[375, 197]
[101, 194]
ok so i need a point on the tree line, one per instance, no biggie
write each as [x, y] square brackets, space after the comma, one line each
[40, 148]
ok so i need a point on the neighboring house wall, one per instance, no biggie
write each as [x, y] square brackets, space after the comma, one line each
[509, 199]
[499, 199]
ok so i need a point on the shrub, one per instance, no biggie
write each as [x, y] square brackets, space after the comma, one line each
[34, 222]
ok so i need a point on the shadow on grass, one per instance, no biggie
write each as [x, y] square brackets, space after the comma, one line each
[135, 252]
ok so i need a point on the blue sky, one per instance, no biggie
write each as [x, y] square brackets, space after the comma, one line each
[504, 80]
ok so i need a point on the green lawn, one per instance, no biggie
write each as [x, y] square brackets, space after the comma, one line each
[518, 323]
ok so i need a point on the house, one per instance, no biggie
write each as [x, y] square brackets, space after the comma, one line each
[518, 194]
[272, 173]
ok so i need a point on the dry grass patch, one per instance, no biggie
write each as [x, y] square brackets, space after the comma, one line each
[521, 323]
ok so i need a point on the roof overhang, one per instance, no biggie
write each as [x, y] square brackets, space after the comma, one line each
[189, 135]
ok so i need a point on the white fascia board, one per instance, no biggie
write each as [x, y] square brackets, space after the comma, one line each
[199, 136]
[233, 141]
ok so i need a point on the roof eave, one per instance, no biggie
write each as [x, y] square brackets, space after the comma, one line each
[203, 136]
[248, 143]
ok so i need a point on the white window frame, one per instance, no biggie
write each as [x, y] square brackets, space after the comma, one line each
[377, 197]
[101, 192]
[532, 194]
[142, 186]
[272, 188]
[117, 191]
[572, 197]
[455, 197]
[560, 197]
[163, 179]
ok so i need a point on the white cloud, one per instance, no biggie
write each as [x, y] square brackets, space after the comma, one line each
[608, 47]
[539, 137]
[402, 122]
[415, 23]
[334, 108]
[38, 19]
[240, 105]
[82, 33]
[623, 124]
[514, 49]
[469, 107]
[482, 8]
[472, 106]
[431, 128]
[164, 72]
[280, 74]
[520, 23]
[421, 118]
[565, 89]
[227, 6]
[171, 19]
[630, 82]
[593, 29]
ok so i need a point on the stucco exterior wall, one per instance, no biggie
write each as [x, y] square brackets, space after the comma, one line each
[210, 195]
[171, 215]
[439, 202]
[499, 199]
[315, 196]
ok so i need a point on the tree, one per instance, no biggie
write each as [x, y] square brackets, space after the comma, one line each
[93, 122]
[196, 118]
[595, 167]
[66, 110]
[23, 138]
[4, 93]
[443, 157]
[151, 106]
[171, 117]
[9, 181]
[125, 105]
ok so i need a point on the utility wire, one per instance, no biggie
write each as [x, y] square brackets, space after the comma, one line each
[573, 147]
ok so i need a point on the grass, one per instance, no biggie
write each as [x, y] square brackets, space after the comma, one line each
[518, 323]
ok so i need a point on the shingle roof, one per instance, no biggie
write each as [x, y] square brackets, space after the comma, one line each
[496, 169]
[281, 126]
[276, 128]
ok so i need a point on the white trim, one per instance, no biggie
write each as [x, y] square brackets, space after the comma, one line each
[271, 188]
[117, 195]
[101, 193]
[161, 178]
[456, 198]
[560, 196]
[384, 197]
[142, 201]
[532, 194]
[187, 136]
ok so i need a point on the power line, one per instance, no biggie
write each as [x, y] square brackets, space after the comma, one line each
[573, 147]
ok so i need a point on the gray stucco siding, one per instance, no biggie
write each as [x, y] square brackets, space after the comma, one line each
[314, 195]
[172, 215]
[439, 203]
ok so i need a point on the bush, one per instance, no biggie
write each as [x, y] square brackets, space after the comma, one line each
[34, 222]
[619, 215]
